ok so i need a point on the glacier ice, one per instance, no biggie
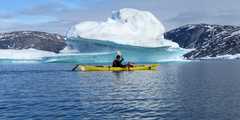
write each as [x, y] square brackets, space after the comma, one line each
[127, 26]
[24, 54]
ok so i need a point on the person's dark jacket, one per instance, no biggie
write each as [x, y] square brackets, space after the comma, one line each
[118, 63]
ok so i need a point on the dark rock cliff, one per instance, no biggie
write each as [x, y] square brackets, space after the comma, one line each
[32, 39]
[207, 40]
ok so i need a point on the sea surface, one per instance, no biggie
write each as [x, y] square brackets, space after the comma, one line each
[199, 90]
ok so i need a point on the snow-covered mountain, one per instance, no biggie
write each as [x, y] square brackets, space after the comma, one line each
[32, 39]
[126, 26]
[207, 40]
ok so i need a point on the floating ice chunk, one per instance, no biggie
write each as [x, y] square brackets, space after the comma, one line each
[126, 26]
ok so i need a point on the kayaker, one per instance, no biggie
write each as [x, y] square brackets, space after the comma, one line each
[118, 62]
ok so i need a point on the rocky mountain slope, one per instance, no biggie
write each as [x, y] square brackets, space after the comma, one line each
[32, 39]
[207, 40]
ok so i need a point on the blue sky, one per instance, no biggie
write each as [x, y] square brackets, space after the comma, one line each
[59, 15]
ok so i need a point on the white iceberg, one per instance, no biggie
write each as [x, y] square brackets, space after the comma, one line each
[126, 26]
[24, 54]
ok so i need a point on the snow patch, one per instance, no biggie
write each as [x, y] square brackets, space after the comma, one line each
[236, 33]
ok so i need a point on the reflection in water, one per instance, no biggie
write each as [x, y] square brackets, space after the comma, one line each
[118, 74]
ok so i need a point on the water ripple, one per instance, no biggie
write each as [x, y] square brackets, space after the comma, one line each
[177, 91]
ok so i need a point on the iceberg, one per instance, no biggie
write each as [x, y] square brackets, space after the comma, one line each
[127, 26]
[24, 54]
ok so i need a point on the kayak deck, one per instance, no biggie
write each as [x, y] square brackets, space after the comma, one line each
[110, 68]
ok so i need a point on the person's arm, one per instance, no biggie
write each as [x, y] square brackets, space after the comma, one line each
[122, 59]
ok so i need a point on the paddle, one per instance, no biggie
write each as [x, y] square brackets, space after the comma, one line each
[119, 53]
[74, 69]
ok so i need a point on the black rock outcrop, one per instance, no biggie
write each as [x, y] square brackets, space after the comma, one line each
[207, 40]
[32, 39]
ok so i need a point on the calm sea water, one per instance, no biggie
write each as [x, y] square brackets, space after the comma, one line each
[206, 90]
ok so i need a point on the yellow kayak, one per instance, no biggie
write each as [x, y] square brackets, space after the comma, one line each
[110, 68]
